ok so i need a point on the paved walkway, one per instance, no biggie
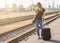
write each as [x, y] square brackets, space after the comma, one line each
[55, 30]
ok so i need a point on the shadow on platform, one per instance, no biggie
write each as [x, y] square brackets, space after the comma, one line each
[54, 41]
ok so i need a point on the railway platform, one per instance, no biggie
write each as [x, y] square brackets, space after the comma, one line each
[55, 31]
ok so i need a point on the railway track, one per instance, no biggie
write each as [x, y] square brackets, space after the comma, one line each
[15, 35]
[29, 32]
[23, 18]
[20, 24]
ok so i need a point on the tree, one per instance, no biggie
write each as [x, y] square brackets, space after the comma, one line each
[14, 7]
[31, 7]
[21, 8]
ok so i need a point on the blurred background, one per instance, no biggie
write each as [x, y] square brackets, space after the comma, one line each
[24, 5]
[14, 8]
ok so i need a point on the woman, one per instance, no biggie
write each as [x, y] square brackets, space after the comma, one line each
[39, 18]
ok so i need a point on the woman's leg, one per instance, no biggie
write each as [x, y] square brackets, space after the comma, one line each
[41, 22]
[37, 28]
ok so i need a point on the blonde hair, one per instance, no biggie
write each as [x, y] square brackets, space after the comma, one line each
[39, 5]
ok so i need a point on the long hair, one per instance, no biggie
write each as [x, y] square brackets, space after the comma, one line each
[39, 5]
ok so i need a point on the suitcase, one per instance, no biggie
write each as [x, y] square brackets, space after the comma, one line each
[46, 34]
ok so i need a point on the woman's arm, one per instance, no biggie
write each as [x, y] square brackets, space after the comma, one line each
[43, 13]
[35, 12]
